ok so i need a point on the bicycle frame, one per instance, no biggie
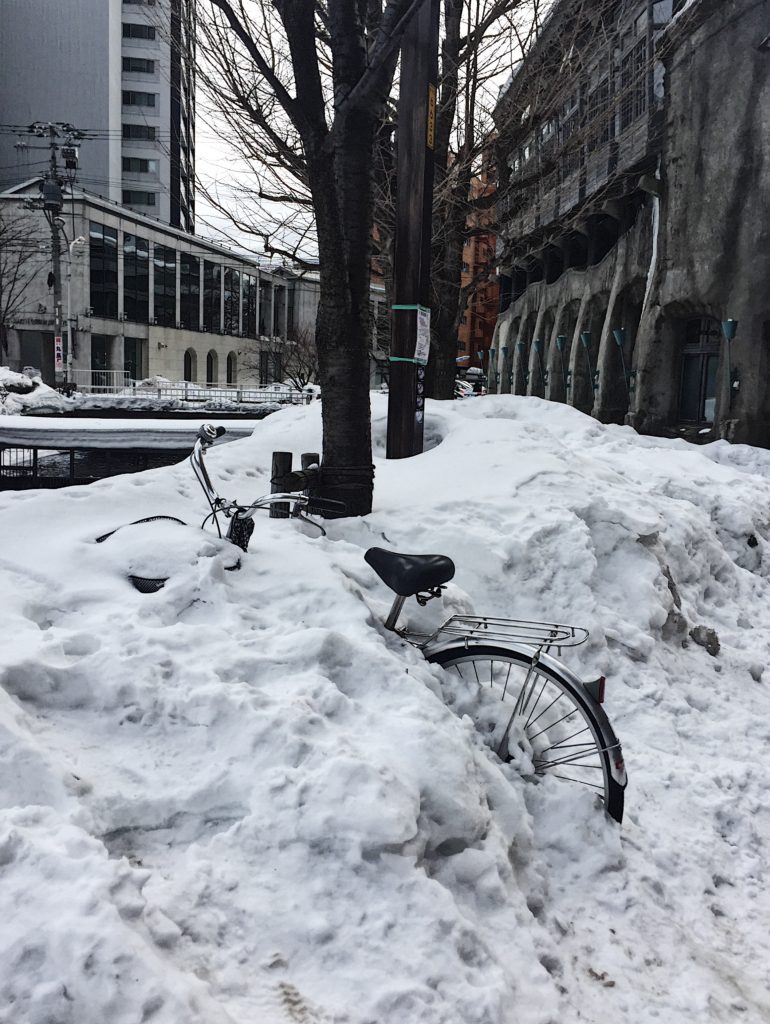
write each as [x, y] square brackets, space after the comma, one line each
[241, 516]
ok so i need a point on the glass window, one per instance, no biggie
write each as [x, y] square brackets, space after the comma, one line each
[190, 367]
[136, 279]
[249, 306]
[278, 301]
[232, 300]
[103, 270]
[164, 266]
[135, 357]
[232, 368]
[700, 365]
[146, 132]
[132, 31]
[212, 368]
[133, 98]
[572, 155]
[212, 290]
[189, 291]
[633, 84]
[133, 197]
[599, 117]
[138, 64]
[265, 312]
[138, 165]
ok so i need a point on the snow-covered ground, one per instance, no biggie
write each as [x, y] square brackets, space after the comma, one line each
[240, 800]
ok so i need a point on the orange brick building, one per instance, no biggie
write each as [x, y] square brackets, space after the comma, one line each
[477, 324]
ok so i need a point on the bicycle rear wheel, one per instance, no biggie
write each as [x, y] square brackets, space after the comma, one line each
[537, 716]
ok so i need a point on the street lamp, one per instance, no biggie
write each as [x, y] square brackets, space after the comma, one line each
[729, 330]
[79, 241]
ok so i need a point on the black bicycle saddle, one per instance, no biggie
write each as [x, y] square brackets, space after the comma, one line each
[410, 574]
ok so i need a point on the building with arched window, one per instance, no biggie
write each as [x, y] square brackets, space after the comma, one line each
[634, 222]
[147, 300]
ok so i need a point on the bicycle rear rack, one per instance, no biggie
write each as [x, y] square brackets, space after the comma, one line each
[542, 635]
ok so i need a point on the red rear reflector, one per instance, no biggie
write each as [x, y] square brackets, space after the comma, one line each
[600, 689]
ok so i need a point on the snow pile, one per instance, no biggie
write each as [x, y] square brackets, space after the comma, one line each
[21, 393]
[238, 799]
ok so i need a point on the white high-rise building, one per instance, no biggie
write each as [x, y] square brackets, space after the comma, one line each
[122, 73]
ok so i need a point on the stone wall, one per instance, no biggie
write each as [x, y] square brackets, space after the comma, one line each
[542, 329]
[714, 240]
[698, 251]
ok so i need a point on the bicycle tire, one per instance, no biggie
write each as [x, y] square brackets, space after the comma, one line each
[550, 717]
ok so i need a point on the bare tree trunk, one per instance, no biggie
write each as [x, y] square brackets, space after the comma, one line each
[343, 329]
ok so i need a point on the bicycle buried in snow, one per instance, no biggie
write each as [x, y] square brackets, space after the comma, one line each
[532, 710]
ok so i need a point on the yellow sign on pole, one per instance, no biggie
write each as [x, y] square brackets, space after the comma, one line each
[431, 139]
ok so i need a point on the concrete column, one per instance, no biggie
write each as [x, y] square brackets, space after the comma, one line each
[200, 292]
[259, 289]
[220, 328]
[121, 273]
[151, 285]
[240, 302]
[178, 291]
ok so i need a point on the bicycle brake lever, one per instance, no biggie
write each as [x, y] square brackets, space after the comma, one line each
[306, 519]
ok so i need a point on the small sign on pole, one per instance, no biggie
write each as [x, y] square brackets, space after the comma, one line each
[58, 353]
[422, 347]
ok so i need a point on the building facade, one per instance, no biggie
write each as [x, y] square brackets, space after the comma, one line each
[142, 299]
[635, 217]
[477, 324]
[121, 72]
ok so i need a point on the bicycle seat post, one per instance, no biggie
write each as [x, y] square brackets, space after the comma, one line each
[395, 611]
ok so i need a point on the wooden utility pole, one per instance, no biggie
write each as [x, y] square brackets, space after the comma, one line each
[410, 336]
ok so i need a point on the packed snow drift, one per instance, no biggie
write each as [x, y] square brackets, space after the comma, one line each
[240, 800]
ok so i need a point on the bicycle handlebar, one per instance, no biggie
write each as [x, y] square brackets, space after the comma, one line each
[317, 505]
[290, 484]
[208, 433]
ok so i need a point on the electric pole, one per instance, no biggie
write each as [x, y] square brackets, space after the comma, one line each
[56, 200]
[52, 201]
[410, 338]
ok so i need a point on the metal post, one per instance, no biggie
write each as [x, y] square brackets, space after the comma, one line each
[57, 324]
[281, 468]
[416, 141]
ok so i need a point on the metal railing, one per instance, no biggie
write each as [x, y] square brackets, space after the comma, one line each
[120, 382]
[190, 391]
[101, 381]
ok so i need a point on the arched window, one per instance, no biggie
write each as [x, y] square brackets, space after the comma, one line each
[232, 368]
[190, 365]
[212, 367]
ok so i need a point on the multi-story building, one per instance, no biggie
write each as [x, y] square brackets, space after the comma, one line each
[635, 171]
[142, 299]
[477, 324]
[121, 72]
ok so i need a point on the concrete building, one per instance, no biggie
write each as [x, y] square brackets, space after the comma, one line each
[635, 217]
[122, 73]
[143, 299]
